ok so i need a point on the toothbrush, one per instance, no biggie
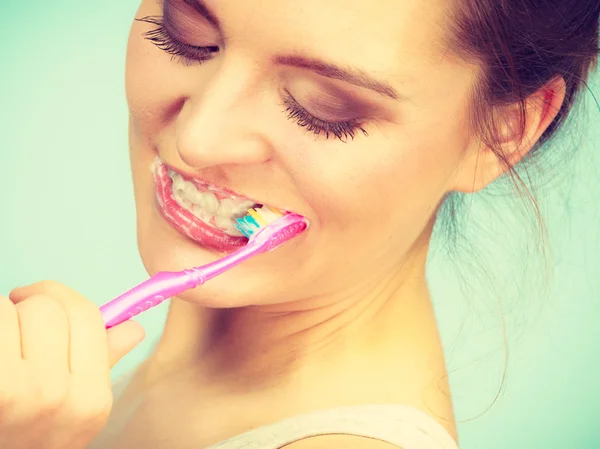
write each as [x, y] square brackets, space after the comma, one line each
[266, 229]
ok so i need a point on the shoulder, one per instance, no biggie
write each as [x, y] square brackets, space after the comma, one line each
[340, 442]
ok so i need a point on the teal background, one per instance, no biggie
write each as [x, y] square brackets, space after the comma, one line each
[68, 214]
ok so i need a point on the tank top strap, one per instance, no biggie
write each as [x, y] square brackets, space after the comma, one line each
[400, 425]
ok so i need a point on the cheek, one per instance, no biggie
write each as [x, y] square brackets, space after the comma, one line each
[151, 93]
[146, 99]
[386, 188]
[411, 174]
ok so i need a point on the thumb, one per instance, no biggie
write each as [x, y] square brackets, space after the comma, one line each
[122, 339]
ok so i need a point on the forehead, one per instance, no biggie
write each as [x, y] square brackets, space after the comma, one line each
[381, 34]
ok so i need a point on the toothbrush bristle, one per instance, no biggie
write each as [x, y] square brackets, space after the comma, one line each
[257, 219]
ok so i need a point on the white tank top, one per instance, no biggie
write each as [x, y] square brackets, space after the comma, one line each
[400, 425]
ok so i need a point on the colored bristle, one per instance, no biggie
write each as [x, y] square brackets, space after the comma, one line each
[247, 226]
[256, 215]
[257, 219]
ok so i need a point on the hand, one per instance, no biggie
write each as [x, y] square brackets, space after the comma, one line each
[55, 361]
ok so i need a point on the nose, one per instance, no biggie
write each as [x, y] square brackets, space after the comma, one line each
[218, 124]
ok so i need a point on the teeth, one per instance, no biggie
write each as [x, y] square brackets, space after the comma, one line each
[178, 195]
[202, 214]
[192, 194]
[209, 201]
[225, 208]
[242, 209]
[226, 224]
[178, 183]
[206, 206]
[230, 208]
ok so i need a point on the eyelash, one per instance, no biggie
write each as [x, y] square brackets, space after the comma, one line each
[343, 131]
[192, 54]
[186, 53]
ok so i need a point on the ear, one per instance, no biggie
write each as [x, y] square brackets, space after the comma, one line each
[480, 166]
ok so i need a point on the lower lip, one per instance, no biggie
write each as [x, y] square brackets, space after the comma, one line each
[187, 223]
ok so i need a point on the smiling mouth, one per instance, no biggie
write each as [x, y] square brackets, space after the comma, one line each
[203, 212]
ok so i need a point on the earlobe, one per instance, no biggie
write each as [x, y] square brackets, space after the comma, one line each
[515, 135]
[479, 167]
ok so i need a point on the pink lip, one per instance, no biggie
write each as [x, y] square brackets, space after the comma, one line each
[186, 222]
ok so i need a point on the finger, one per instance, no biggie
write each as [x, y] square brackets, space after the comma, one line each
[10, 334]
[122, 339]
[44, 330]
[19, 294]
[88, 350]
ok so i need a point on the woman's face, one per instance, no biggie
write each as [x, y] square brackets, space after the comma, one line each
[349, 113]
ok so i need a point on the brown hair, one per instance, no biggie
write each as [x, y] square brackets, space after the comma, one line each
[520, 46]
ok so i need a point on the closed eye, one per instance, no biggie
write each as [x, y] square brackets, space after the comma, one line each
[186, 53]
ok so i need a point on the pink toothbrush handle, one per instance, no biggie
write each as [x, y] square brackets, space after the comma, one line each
[166, 284]
[150, 293]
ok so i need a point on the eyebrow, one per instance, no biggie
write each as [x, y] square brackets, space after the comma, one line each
[205, 11]
[350, 75]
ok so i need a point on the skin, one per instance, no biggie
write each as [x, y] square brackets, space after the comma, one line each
[56, 357]
[341, 314]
